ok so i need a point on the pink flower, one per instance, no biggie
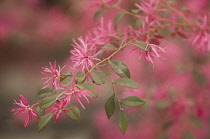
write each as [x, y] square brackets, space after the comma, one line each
[68, 92]
[105, 33]
[58, 108]
[150, 55]
[151, 10]
[201, 40]
[24, 110]
[53, 76]
[84, 54]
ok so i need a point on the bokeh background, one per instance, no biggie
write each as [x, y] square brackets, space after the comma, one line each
[34, 32]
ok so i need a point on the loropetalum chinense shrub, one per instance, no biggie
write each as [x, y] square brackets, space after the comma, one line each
[142, 28]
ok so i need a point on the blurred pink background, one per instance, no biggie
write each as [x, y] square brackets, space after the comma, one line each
[176, 90]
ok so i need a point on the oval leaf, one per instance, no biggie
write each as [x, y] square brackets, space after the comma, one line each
[120, 68]
[40, 112]
[143, 46]
[74, 113]
[48, 101]
[127, 83]
[44, 120]
[117, 19]
[44, 92]
[89, 86]
[98, 77]
[109, 46]
[80, 77]
[123, 122]
[133, 101]
[110, 106]
[99, 13]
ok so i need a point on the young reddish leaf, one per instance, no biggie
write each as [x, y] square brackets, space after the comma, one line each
[181, 34]
[98, 77]
[127, 83]
[120, 68]
[89, 86]
[143, 46]
[159, 36]
[123, 122]
[44, 120]
[99, 13]
[74, 113]
[110, 106]
[44, 92]
[133, 101]
[154, 41]
[48, 101]
[40, 112]
[117, 19]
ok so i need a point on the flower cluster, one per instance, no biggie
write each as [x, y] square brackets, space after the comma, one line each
[201, 40]
[98, 55]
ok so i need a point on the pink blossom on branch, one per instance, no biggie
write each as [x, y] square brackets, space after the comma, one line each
[201, 40]
[53, 76]
[105, 33]
[150, 8]
[68, 92]
[25, 109]
[150, 55]
[58, 108]
[84, 54]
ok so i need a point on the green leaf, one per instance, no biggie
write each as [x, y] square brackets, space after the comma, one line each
[89, 86]
[48, 101]
[127, 83]
[80, 77]
[67, 81]
[109, 46]
[44, 120]
[167, 124]
[100, 56]
[196, 121]
[110, 106]
[162, 104]
[63, 77]
[123, 122]
[189, 135]
[40, 112]
[135, 11]
[143, 46]
[99, 13]
[44, 92]
[117, 4]
[120, 68]
[70, 73]
[133, 101]
[139, 23]
[199, 77]
[74, 113]
[117, 19]
[98, 77]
